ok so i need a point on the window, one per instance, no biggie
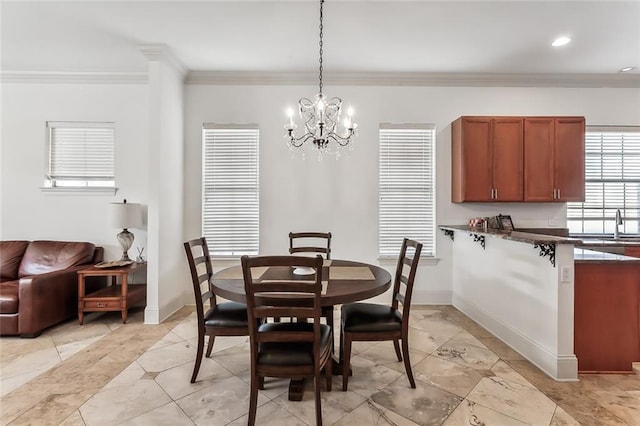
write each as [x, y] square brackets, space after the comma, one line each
[612, 181]
[230, 205]
[80, 155]
[406, 187]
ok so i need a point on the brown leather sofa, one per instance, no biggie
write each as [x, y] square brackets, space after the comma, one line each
[39, 283]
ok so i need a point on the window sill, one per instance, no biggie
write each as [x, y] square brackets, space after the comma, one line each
[393, 261]
[78, 190]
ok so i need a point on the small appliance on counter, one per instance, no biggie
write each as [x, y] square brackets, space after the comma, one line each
[500, 222]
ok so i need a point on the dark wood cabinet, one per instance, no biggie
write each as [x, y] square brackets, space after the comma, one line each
[487, 159]
[554, 159]
[511, 159]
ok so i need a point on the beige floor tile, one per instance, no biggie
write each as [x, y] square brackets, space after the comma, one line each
[562, 418]
[466, 350]
[514, 400]
[75, 419]
[176, 381]
[370, 413]
[424, 405]
[219, 403]
[169, 414]
[470, 413]
[271, 414]
[167, 357]
[121, 403]
[446, 375]
[368, 377]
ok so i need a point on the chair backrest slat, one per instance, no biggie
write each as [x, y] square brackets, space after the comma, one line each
[287, 295]
[403, 283]
[198, 254]
[296, 237]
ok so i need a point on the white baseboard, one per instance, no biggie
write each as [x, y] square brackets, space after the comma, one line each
[155, 315]
[563, 368]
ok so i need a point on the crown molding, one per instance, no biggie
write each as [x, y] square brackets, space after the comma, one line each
[65, 77]
[162, 53]
[417, 79]
[158, 52]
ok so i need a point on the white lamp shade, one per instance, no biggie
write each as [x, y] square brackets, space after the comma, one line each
[125, 215]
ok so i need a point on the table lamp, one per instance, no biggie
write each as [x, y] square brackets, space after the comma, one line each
[125, 215]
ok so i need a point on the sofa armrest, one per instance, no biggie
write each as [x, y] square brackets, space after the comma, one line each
[47, 299]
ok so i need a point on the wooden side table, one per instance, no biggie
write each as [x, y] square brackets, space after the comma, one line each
[116, 297]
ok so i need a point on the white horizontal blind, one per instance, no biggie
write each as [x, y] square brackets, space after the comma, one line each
[230, 205]
[407, 197]
[80, 154]
[612, 181]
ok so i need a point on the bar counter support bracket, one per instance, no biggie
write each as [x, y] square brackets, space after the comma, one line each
[478, 238]
[547, 249]
[449, 233]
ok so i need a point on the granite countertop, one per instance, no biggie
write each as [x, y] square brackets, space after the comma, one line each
[524, 237]
[581, 254]
[591, 256]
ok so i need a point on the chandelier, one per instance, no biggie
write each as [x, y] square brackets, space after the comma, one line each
[321, 118]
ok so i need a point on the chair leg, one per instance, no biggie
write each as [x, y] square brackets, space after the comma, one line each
[327, 312]
[212, 338]
[407, 363]
[196, 367]
[261, 382]
[253, 399]
[328, 368]
[396, 346]
[346, 360]
[316, 380]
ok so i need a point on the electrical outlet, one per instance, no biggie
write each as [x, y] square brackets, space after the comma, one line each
[565, 274]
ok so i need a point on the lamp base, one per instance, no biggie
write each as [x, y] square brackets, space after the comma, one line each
[125, 238]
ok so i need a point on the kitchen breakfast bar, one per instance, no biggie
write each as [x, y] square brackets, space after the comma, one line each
[564, 308]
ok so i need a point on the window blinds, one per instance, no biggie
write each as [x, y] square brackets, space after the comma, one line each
[407, 198]
[612, 181]
[230, 205]
[80, 154]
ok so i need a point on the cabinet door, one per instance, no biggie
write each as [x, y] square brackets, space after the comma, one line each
[471, 159]
[507, 138]
[539, 159]
[569, 158]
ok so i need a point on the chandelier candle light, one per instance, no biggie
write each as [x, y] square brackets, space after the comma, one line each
[321, 117]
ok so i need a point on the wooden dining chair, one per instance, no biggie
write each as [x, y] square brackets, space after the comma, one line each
[220, 319]
[286, 349]
[374, 322]
[308, 242]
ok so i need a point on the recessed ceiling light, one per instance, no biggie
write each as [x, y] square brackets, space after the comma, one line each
[627, 69]
[560, 41]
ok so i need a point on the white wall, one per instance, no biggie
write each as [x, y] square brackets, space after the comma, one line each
[28, 212]
[342, 196]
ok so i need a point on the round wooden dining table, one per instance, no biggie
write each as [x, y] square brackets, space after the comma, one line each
[347, 282]
[344, 281]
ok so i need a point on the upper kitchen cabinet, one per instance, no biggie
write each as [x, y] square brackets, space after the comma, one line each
[487, 159]
[554, 158]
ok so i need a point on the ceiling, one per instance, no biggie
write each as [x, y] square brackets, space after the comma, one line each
[423, 37]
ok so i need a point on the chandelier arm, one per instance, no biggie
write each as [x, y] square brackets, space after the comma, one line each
[298, 142]
[340, 140]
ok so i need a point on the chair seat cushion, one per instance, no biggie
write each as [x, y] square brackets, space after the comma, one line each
[227, 314]
[290, 353]
[370, 317]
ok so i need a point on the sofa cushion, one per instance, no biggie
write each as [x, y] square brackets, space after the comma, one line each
[9, 297]
[10, 256]
[48, 256]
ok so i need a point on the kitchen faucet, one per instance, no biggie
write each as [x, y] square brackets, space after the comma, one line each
[616, 232]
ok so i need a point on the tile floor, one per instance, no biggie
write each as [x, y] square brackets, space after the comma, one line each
[106, 373]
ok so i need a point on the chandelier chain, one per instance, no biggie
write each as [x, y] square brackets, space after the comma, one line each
[320, 43]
